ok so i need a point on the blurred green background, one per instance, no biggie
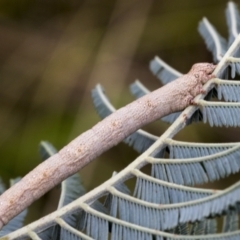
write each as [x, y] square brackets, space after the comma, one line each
[52, 53]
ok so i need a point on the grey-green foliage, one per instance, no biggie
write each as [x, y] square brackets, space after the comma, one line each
[163, 205]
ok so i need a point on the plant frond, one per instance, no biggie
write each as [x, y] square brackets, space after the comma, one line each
[163, 71]
[72, 189]
[197, 170]
[154, 190]
[119, 229]
[179, 149]
[101, 102]
[120, 187]
[46, 149]
[138, 89]
[140, 212]
[220, 113]
[171, 117]
[233, 21]
[70, 233]
[126, 230]
[234, 63]
[215, 43]
[140, 140]
[51, 233]
[98, 225]
[228, 90]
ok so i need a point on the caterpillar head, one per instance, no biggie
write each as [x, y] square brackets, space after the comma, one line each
[207, 68]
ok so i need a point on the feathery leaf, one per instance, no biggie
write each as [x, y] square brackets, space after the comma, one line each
[197, 170]
[228, 90]
[154, 190]
[233, 21]
[179, 149]
[220, 113]
[168, 216]
[215, 43]
[163, 71]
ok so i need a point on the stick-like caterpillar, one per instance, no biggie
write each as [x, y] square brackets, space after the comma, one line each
[173, 97]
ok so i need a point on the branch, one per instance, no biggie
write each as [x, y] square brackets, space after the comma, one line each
[173, 97]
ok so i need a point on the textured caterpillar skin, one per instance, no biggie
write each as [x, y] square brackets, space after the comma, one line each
[173, 97]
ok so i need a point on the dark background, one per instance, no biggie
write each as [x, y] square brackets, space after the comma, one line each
[52, 53]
